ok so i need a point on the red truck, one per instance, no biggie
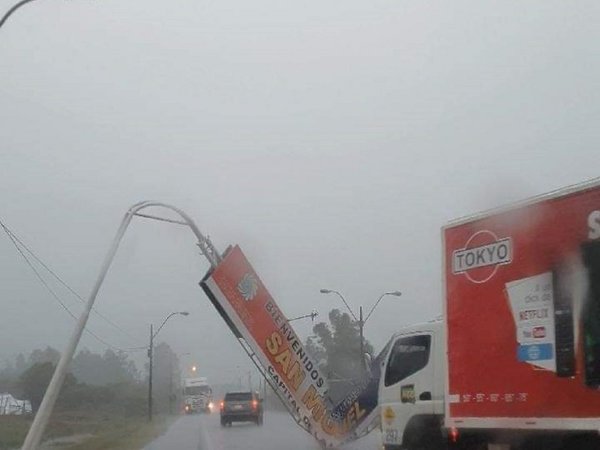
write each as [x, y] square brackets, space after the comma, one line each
[515, 360]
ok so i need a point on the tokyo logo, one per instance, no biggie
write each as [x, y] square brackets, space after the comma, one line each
[481, 256]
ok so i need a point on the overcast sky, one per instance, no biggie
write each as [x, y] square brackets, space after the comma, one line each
[331, 140]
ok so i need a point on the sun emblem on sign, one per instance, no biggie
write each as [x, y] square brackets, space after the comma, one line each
[248, 286]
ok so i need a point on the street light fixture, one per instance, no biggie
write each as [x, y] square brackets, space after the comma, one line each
[331, 291]
[361, 322]
[151, 353]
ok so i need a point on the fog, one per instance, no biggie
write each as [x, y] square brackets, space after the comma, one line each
[330, 140]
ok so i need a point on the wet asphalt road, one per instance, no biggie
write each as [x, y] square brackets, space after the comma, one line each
[279, 432]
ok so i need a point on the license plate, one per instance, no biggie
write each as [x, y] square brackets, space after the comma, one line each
[390, 436]
[237, 407]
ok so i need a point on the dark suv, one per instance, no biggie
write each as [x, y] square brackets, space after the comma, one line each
[241, 407]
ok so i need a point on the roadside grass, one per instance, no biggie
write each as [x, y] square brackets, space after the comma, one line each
[98, 431]
[12, 431]
[125, 434]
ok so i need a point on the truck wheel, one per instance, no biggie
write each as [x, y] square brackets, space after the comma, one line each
[424, 433]
[423, 441]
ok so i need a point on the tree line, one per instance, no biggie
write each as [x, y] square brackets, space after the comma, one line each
[110, 380]
[336, 348]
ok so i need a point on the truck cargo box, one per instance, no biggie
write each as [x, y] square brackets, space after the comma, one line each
[522, 303]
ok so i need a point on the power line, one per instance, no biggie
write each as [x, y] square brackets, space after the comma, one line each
[64, 283]
[40, 278]
[55, 296]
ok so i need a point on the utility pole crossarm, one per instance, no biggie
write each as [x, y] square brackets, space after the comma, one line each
[312, 316]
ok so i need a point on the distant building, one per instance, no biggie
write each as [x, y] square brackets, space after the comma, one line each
[11, 406]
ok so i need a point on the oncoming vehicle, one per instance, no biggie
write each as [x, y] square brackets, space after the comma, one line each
[197, 395]
[241, 407]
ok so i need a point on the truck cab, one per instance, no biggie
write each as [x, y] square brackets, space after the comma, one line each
[411, 390]
[197, 395]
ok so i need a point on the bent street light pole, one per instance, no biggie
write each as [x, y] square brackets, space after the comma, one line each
[12, 10]
[150, 356]
[36, 431]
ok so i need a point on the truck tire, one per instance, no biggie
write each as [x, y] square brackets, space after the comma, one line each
[424, 433]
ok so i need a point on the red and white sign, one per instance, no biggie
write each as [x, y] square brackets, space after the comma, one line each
[508, 350]
[238, 292]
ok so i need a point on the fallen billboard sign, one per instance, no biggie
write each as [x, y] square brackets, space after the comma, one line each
[246, 305]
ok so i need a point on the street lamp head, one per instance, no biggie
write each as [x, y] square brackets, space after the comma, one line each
[325, 291]
[184, 313]
[396, 293]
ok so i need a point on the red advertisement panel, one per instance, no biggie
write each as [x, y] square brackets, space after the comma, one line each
[523, 314]
[247, 306]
